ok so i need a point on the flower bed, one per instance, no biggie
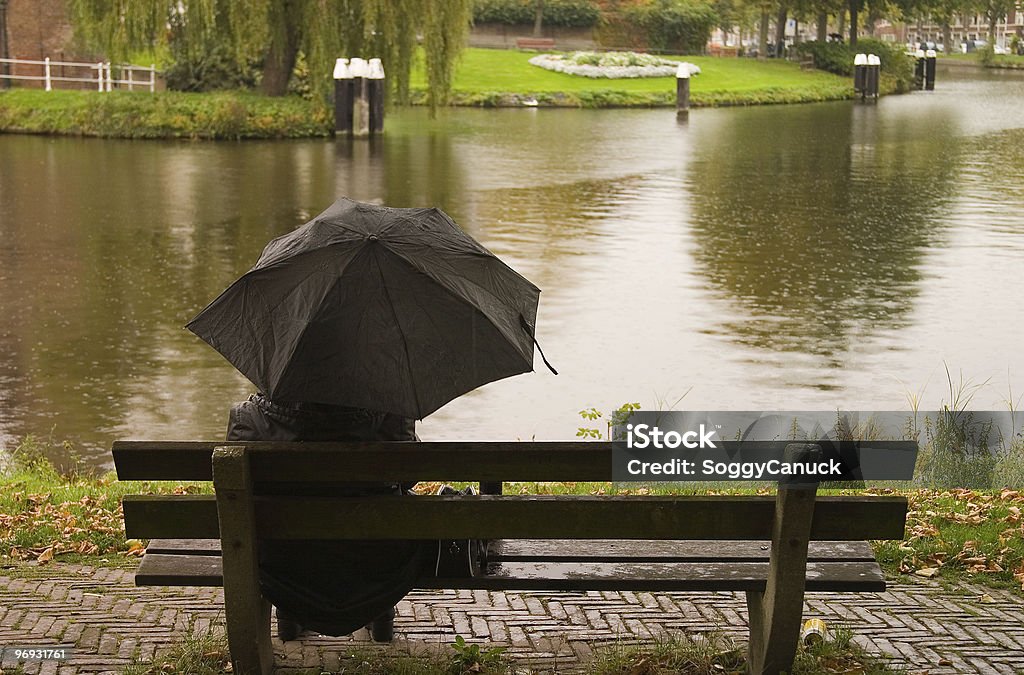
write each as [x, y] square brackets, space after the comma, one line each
[611, 65]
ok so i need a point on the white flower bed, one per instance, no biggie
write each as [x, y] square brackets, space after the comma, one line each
[612, 65]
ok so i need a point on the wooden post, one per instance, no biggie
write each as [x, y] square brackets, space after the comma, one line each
[110, 77]
[49, 87]
[152, 77]
[342, 97]
[376, 90]
[246, 611]
[775, 614]
[130, 83]
[99, 75]
[682, 89]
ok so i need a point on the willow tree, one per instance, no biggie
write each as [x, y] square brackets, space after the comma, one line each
[276, 31]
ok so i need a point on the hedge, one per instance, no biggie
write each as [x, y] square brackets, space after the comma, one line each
[568, 13]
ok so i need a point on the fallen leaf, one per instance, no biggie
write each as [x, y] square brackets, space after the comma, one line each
[46, 556]
[987, 598]
[927, 572]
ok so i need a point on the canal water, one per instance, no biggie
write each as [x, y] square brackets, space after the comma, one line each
[823, 256]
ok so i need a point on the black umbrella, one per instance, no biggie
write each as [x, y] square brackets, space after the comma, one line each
[396, 310]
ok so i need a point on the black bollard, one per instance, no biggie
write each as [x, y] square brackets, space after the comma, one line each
[919, 69]
[376, 87]
[683, 89]
[873, 74]
[929, 70]
[342, 97]
[860, 62]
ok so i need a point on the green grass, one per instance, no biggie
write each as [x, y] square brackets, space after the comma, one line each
[169, 114]
[46, 515]
[1008, 61]
[490, 77]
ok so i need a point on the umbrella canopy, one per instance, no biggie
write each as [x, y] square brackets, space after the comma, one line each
[396, 310]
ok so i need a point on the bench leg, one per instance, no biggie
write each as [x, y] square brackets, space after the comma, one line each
[246, 611]
[775, 614]
[252, 653]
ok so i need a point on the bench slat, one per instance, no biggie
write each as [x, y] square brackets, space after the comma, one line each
[205, 570]
[423, 461]
[600, 550]
[184, 546]
[653, 550]
[514, 517]
[158, 569]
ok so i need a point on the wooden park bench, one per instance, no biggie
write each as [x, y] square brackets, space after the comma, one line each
[535, 43]
[756, 544]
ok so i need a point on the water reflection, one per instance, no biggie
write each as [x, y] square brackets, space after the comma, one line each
[799, 257]
[824, 243]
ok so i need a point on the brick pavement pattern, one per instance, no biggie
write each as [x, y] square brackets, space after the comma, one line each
[109, 621]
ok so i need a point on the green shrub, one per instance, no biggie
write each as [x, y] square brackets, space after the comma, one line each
[214, 69]
[837, 57]
[682, 26]
[569, 13]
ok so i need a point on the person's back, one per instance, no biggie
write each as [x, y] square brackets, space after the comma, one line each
[331, 587]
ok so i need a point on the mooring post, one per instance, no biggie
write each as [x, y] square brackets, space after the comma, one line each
[860, 65]
[361, 104]
[375, 84]
[919, 69]
[342, 97]
[929, 69]
[874, 75]
[683, 89]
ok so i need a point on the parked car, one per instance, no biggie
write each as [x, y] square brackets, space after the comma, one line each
[972, 46]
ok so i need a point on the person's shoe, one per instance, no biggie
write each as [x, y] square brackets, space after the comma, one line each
[383, 627]
[287, 628]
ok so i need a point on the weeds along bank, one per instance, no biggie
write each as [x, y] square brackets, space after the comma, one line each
[170, 114]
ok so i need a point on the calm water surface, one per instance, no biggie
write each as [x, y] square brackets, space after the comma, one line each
[797, 257]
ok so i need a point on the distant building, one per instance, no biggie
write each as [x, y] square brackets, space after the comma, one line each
[963, 29]
[37, 29]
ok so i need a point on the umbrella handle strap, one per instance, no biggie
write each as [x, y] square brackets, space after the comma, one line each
[529, 329]
[543, 358]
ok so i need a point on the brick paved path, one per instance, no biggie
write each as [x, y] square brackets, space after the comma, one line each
[108, 619]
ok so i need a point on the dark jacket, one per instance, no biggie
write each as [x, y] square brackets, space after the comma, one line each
[332, 587]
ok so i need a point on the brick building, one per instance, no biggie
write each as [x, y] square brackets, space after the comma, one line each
[37, 29]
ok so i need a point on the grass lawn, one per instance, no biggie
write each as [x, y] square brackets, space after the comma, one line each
[498, 76]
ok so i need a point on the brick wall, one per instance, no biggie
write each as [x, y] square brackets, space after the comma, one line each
[37, 29]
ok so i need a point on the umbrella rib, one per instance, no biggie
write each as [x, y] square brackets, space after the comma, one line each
[405, 341]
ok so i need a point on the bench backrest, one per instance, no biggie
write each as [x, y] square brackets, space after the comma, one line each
[250, 467]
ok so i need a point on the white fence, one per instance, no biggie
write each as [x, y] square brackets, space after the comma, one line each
[101, 75]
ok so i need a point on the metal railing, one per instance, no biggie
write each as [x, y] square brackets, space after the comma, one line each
[103, 77]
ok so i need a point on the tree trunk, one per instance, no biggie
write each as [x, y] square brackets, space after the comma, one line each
[947, 37]
[762, 36]
[780, 30]
[853, 22]
[992, 21]
[822, 26]
[841, 20]
[538, 18]
[283, 49]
